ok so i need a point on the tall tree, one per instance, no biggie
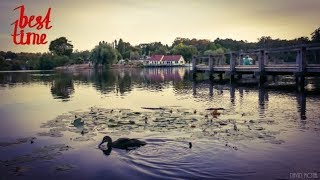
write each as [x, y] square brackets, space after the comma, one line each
[315, 36]
[61, 46]
[121, 47]
[104, 54]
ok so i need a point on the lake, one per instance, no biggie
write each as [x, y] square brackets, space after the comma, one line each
[257, 132]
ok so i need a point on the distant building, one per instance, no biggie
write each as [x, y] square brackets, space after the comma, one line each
[162, 60]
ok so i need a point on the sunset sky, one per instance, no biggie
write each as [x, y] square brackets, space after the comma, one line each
[85, 23]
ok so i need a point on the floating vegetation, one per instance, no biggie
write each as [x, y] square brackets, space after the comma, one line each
[208, 123]
[18, 141]
[211, 123]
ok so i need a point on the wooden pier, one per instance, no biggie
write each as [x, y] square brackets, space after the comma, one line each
[264, 64]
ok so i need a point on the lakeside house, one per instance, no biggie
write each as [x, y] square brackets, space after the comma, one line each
[165, 60]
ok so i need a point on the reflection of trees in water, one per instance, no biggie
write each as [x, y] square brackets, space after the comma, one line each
[13, 78]
[62, 86]
[124, 82]
[104, 81]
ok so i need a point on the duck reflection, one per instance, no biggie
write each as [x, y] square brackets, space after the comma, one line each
[107, 151]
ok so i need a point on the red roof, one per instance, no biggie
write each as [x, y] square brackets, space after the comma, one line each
[165, 58]
[156, 57]
[171, 58]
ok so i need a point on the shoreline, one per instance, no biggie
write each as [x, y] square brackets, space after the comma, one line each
[26, 71]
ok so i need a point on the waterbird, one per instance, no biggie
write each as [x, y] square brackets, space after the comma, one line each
[190, 145]
[122, 143]
[146, 120]
[215, 112]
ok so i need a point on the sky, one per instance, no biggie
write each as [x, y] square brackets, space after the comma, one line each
[85, 23]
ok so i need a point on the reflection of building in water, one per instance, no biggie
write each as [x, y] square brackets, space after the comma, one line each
[165, 74]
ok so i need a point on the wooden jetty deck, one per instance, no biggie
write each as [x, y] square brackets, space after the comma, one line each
[264, 63]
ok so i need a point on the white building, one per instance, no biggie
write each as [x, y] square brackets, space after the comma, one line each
[161, 60]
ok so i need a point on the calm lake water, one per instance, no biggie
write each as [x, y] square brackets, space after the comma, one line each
[269, 132]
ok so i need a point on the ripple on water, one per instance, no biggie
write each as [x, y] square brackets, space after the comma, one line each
[159, 157]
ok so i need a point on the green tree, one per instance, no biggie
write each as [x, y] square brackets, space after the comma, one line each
[315, 36]
[186, 51]
[219, 51]
[121, 47]
[161, 50]
[104, 54]
[4, 65]
[78, 57]
[119, 56]
[61, 46]
[45, 62]
[10, 55]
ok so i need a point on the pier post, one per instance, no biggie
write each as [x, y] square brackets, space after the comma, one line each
[266, 58]
[232, 63]
[302, 63]
[261, 56]
[194, 63]
[241, 59]
[211, 63]
[302, 59]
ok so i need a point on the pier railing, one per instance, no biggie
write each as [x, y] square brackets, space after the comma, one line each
[303, 60]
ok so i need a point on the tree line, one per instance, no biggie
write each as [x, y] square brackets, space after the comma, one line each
[61, 51]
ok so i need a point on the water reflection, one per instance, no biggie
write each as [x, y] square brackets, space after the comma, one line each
[62, 86]
[123, 81]
[301, 99]
[263, 95]
[107, 151]
[271, 110]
